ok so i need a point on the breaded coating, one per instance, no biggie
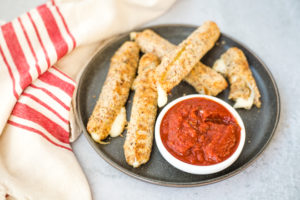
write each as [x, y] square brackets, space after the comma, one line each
[109, 114]
[151, 42]
[204, 79]
[234, 65]
[178, 63]
[139, 137]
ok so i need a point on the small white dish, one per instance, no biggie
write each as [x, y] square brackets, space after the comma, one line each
[196, 169]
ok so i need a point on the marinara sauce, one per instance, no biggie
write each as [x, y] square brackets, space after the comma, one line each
[200, 131]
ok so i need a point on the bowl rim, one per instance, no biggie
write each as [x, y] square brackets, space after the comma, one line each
[199, 169]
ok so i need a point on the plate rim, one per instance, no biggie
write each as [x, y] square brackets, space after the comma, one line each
[166, 183]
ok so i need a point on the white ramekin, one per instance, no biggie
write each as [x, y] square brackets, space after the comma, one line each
[196, 169]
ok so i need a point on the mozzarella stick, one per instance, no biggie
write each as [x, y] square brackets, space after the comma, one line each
[109, 114]
[204, 79]
[233, 64]
[148, 60]
[178, 63]
[139, 137]
[151, 42]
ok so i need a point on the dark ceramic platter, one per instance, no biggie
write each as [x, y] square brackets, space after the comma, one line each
[260, 123]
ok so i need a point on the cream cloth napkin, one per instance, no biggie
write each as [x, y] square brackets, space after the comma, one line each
[36, 159]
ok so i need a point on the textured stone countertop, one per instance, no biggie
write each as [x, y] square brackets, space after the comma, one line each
[272, 30]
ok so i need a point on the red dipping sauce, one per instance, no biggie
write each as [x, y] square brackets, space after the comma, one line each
[200, 131]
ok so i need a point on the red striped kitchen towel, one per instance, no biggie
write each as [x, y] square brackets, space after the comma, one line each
[36, 159]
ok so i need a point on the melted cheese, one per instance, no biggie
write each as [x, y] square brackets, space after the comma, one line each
[135, 164]
[95, 137]
[162, 96]
[119, 123]
[220, 67]
[245, 103]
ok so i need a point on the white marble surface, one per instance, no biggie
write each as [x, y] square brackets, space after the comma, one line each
[272, 30]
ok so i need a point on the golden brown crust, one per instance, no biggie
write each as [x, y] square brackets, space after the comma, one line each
[139, 137]
[115, 90]
[151, 42]
[148, 60]
[206, 80]
[203, 78]
[178, 63]
[234, 65]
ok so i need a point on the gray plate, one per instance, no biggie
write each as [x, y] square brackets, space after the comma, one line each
[260, 123]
